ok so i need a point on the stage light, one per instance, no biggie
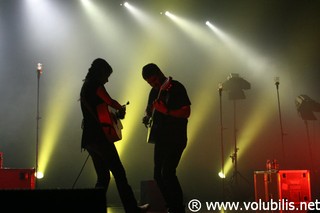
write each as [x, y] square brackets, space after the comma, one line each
[167, 13]
[129, 6]
[221, 175]
[39, 175]
[170, 15]
[235, 85]
[306, 107]
[215, 29]
[138, 14]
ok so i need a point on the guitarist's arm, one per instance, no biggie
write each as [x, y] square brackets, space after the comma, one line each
[182, 112]
[103, 94]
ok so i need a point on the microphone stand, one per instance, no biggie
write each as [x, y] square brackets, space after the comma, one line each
[222, 146]
[280, 119]
[39, 72]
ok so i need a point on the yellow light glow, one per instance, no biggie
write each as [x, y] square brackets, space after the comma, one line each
[54, 123]
[256, 121]
[52, 119]
[133, 117]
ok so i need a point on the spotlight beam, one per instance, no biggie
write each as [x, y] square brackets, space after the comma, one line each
[255, 62]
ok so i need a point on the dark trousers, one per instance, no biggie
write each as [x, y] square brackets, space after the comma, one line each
[166, 160]
[106, 159]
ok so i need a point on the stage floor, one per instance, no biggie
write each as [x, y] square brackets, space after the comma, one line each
[119, 209]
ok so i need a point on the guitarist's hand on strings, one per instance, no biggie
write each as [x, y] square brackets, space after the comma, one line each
[121, 112]
[160, 106]
[146, 121]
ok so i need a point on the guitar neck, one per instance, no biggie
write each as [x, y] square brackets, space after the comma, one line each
[153, 109]
[165, 86]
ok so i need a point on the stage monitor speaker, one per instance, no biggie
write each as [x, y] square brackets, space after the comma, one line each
[53, 200]
[151, 194]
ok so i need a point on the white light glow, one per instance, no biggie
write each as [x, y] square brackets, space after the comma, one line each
[254, 62]
[221, 175]
[137, 13]
[127, 5]
[39, 175]
[86, 2]
[167, 13]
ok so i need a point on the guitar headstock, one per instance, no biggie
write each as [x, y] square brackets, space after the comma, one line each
[126, 104]
[167, 84]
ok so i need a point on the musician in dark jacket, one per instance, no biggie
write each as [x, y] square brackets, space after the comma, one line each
[167, 114]
[103, 152]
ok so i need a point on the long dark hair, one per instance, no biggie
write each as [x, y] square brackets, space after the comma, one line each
[98, 70]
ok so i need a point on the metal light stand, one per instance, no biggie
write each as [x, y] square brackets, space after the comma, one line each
[234, 156]
[222, 146]
[306, 106]
[39, 72]
[280, 119]
[235, 85]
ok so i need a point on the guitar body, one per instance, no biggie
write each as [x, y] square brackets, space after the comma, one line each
[111, 124]
[151, 127]
[151, 132]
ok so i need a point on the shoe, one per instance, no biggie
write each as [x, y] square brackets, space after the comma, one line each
[144, 208]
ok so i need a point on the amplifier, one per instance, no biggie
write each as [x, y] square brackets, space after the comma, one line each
[292, 185]
[17, 178]
[282, 185]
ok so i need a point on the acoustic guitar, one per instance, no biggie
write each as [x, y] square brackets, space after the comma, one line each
[151, 127]
[111, 124]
